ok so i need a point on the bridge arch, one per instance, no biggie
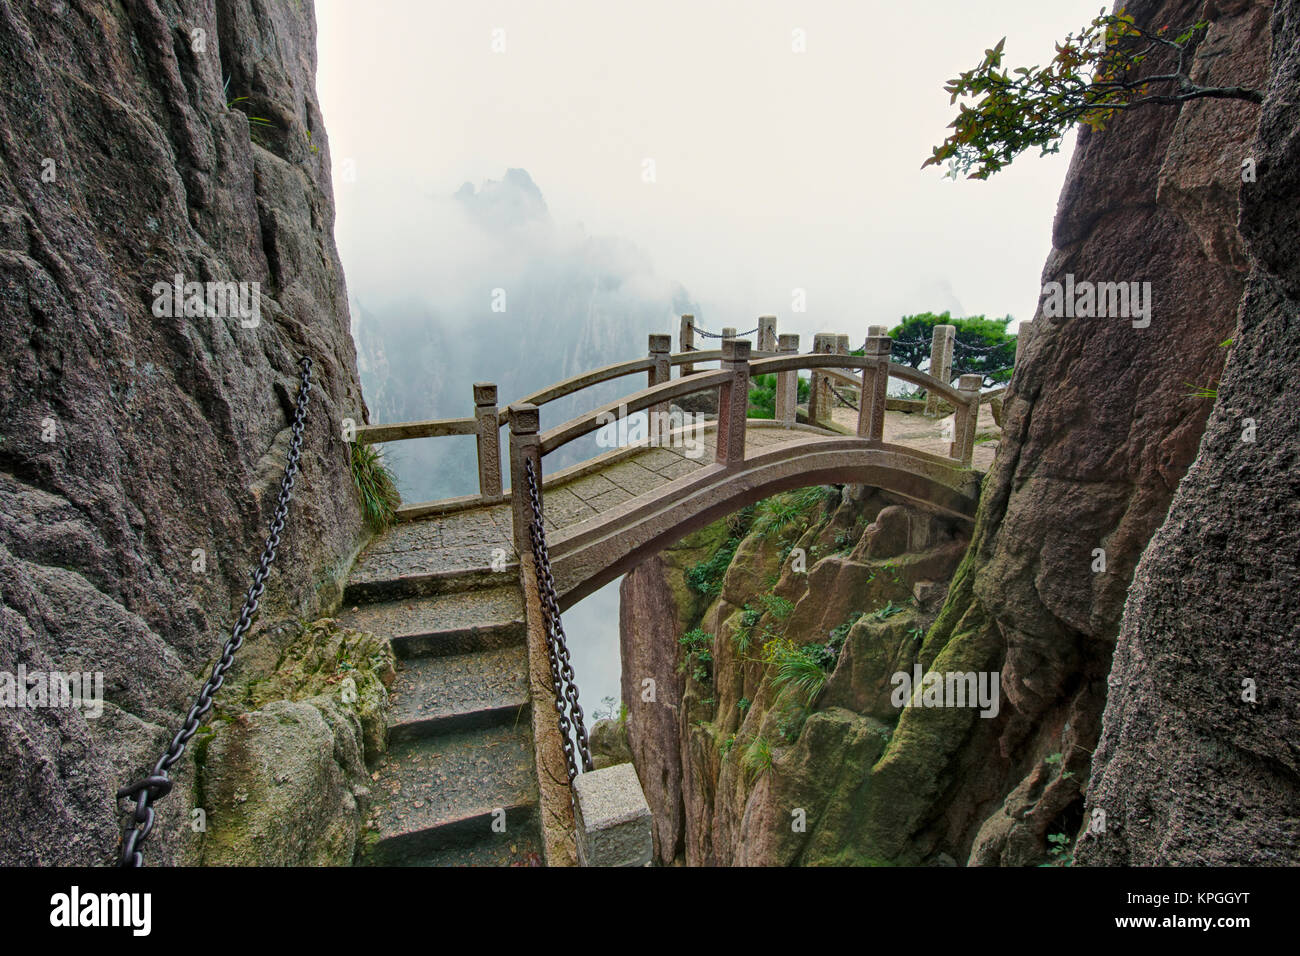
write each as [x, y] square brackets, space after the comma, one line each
[589, 555]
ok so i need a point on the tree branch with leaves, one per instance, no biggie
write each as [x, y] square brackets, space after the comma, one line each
[1094, 75]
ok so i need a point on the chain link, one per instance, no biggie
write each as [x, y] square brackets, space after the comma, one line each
[716, 335]
[565, 688]
[158, 783]
[840, 395]
[961, 346]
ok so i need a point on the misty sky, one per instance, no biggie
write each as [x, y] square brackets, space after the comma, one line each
[774, 170]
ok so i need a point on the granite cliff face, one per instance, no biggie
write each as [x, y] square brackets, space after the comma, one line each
[132, 438]
[1198, 761]
[839, 583]
[1100, 427]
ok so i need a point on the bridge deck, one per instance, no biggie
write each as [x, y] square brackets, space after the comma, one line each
[426, 555]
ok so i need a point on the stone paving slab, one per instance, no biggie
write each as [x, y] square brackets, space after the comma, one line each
[591, 487]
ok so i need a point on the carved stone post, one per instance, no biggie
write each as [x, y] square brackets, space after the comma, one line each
[660, 372]
[767, 333]
[941, 347]
[963, 445]
[686, 342]
[525, 444]
[733, 402]
[728, 332]
[488, 438]
[819, 393]
[841, 348]
[787, 383]
[875, 388]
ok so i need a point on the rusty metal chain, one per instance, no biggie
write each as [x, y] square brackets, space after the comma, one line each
[716, 335]
[840, 395]
[565, 688]
[158, 783]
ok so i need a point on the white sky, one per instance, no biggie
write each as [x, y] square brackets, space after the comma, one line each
[775, 170]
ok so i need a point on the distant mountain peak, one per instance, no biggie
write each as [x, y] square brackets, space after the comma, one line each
[513, 200]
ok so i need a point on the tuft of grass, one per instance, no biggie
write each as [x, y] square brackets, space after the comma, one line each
[774, 515]
[374, 482]
[801, 666]
[758, 758]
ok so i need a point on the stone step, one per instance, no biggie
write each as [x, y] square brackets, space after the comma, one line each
[371, 582]
[520, 845]
[447, 623]
[471, 549]
[441, 792]
[434, 695]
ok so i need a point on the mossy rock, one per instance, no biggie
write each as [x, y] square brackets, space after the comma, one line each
[282, 767]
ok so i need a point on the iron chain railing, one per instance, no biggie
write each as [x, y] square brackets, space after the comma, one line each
[563, 684]
[717, 335]
[961, 346]
[842, 397]
[158, 782]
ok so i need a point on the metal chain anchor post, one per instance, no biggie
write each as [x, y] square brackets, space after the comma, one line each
[565, 687]
[158, 783]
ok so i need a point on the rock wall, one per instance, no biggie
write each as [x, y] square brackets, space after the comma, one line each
[1099, 429]
[726, 749]
[1199, 761]
[127, 155]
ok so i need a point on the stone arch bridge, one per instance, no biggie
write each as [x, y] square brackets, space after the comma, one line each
[476, 769]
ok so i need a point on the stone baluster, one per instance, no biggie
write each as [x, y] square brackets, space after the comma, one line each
[733, 402]
[686, 342]
[819, 394]
[525, 444]
[963, 445]
[787, 383]
[660, 372]
[941, 347]
[875, 387]
[767, 337]
[488, 439]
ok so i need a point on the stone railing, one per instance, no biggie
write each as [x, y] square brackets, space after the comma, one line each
[828, 362]
[731, 381]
